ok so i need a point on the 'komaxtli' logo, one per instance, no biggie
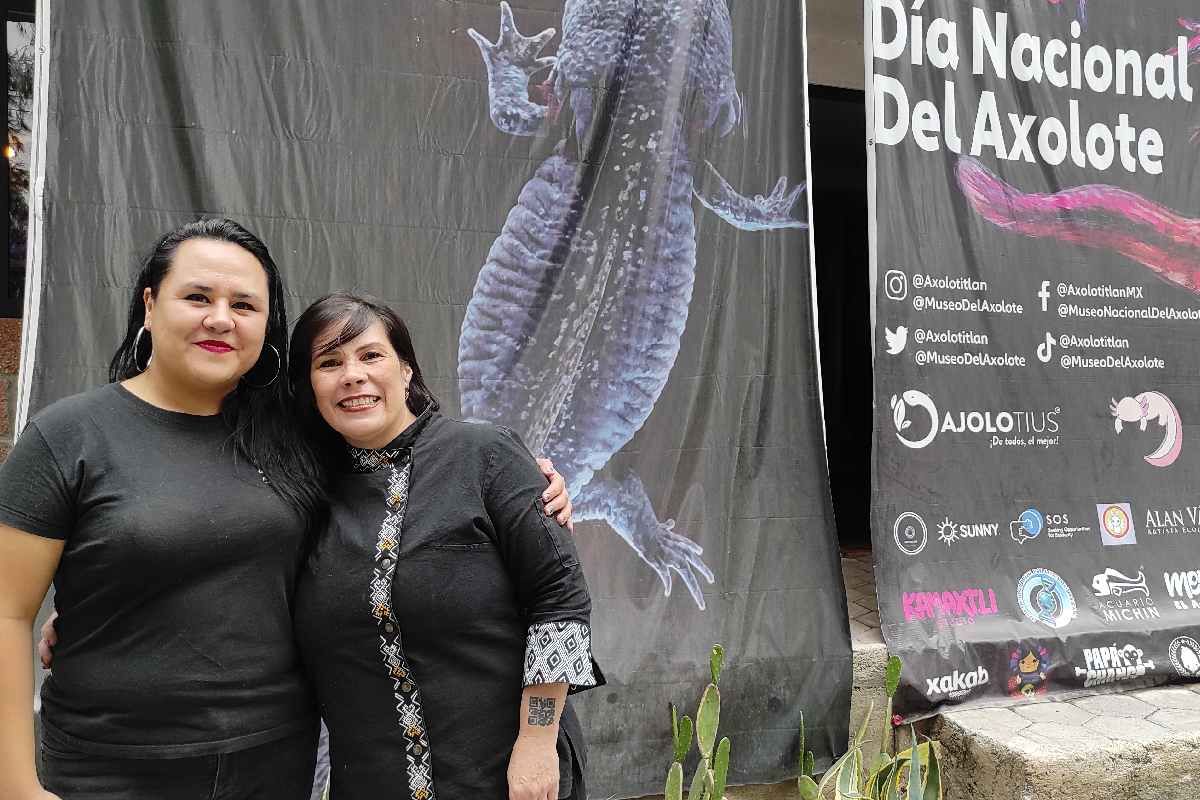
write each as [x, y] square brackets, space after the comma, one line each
[954, 607]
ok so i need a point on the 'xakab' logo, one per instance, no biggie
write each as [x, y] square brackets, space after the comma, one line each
[956, 684]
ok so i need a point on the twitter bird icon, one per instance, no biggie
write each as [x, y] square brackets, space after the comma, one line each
[896, 339]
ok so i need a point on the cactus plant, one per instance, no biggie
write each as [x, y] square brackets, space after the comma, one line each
[805, 781]
[913, 774]
[708, 782]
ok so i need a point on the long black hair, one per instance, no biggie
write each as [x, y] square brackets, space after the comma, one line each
[350, 315]
[258, 411]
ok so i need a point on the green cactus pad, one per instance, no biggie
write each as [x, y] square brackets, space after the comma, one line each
[708, 716]
[715, 662]
[891, 681]
[721, 768]
[674, 782]
[683, 740]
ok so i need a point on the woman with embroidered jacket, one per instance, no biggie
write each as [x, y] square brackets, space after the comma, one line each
[437, 589]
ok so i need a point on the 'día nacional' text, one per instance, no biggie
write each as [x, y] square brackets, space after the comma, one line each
[997, 52]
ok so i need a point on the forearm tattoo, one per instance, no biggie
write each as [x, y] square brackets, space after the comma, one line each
[541, 711]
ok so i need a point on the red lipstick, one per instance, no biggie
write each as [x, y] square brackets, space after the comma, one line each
[213, 346]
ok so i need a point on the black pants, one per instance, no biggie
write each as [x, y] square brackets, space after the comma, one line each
[279, 770]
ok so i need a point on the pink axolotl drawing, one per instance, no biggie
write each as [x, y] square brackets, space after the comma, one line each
[1153, 407]
[1193, 42]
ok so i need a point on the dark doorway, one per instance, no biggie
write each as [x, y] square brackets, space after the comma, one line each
[838, 141]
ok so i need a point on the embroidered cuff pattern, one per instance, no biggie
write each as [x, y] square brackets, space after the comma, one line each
[559, 652]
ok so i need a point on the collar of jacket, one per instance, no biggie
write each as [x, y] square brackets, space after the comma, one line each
[363, 459]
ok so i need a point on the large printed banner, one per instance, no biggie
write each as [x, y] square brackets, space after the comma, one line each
[593, 217]
[1037, 270]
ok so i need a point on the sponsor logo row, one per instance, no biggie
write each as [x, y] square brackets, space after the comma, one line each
[1115, 521]
[1032, 666]
[1115, 597]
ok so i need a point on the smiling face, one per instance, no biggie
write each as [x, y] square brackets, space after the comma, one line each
[208, 319]
[360, 386]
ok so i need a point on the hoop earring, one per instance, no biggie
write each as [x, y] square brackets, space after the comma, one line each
[137, 342]
[278, 369]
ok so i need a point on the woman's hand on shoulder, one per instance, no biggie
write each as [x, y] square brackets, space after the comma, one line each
[533, 767]
[557, 501]
[49, 639]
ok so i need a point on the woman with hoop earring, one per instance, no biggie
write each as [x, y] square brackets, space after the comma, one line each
[170, 508]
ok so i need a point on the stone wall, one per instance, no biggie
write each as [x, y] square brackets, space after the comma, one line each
[10, 359]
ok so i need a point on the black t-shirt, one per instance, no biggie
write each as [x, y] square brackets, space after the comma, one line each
[175, 586]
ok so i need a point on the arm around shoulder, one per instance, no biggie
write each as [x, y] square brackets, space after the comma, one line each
[36, 512]
[27, 565]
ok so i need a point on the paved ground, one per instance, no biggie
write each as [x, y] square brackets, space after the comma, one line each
[858, 571]
[1137, 745]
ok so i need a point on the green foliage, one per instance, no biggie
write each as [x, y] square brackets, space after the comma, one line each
[808, 788]
[891, 680]
[708, 717]
[914, 774]
[675, 782]
[716, 660]
[681, 733]
[721, 767]
[708, 783]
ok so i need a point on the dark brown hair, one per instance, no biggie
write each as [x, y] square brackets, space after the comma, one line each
[258, 410]
[350, 315]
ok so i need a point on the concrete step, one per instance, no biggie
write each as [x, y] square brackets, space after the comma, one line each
[1139, 745]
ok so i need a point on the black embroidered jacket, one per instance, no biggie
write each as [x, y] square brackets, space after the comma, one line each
[436, 592]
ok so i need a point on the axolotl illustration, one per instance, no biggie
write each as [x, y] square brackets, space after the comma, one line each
[1150, 407]
[578, 313]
